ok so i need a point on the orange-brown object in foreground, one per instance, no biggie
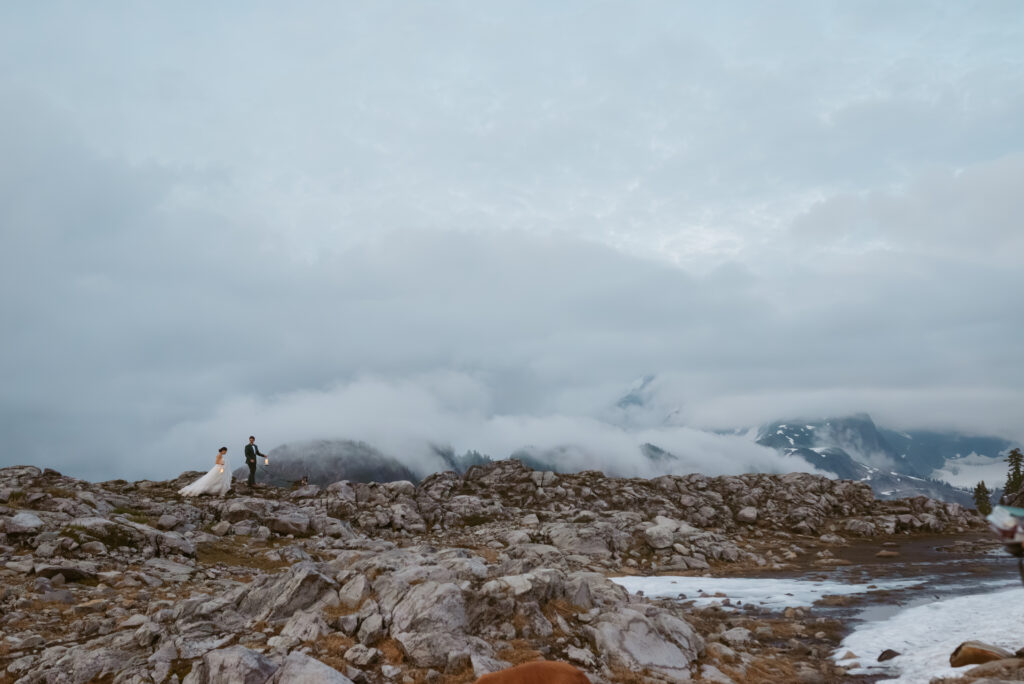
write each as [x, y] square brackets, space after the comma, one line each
[537, 672]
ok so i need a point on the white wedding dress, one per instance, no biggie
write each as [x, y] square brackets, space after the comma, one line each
[217, 482]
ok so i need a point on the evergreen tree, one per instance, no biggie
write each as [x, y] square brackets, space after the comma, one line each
[1015, 476]
[983, 498]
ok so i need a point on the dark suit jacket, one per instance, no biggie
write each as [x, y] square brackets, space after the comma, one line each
[251, 452]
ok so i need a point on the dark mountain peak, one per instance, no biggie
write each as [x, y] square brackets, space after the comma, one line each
[638, 394]
[858, 434]
[656, 454]
[324, 461]
[895, 463]
[855, 433]
[854, 418]
[788, 434]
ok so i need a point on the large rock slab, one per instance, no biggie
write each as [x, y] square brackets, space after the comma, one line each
[238, 665]
[354, 592]
[584, 540]
[167, 543]
[23, 523]
[247, 508]
[176, 572]
[82, 665]
[406, 517]
[538, 585]
[116, 533]
[299, 668]
[589, 589]
[430, 622]
[431, 606]
[72, 571]
[291, 522]
[305, 626]
[280, 596]
[629, 640]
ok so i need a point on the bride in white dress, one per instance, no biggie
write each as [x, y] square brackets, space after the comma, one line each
[217, 481]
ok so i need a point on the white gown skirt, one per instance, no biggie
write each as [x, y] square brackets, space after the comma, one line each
[217, 482]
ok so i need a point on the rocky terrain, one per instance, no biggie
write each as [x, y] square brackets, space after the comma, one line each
[437, 582]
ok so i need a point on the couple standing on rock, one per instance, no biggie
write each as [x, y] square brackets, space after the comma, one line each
[218, 479]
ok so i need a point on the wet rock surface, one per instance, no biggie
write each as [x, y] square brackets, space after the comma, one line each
[442, 581]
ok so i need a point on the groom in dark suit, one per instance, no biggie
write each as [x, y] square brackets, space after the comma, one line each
[251, 452]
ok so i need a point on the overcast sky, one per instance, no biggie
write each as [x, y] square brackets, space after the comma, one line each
[479, 223]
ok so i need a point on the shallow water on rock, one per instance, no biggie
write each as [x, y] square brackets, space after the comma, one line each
[922, 604]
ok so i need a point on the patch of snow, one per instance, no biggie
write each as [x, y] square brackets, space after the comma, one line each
[969, 470]
[771, 592]
[925, 635]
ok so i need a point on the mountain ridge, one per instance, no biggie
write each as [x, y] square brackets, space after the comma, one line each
[850, 447]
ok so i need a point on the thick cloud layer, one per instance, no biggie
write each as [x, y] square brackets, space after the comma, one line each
[406, 418]
[478, 225]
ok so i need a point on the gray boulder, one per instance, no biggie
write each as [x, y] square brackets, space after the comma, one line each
[630, 640]
[167, 522]
[737, 636]
[406, 517]
[584, 540]
[342, 489]
[429, 623]
[659, 536]
[371, 630]
[747, 514]
[23, 523]
[72, 571]
[305, 626]
[238, 665]
[247, 508]
[94, 547]
[299, 668]
[354, 592]
[307, 492]
[361, 655]
[291, 522]
[279, 596]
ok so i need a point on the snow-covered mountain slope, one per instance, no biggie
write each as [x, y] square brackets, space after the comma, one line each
[897, 464]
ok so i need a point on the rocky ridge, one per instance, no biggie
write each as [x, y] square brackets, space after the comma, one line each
[437, 582]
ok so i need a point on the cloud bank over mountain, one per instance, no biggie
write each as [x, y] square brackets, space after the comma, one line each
[406, 419]
[273, 221]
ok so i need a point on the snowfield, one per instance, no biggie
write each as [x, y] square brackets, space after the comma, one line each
[769, 592]
[924, 635]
